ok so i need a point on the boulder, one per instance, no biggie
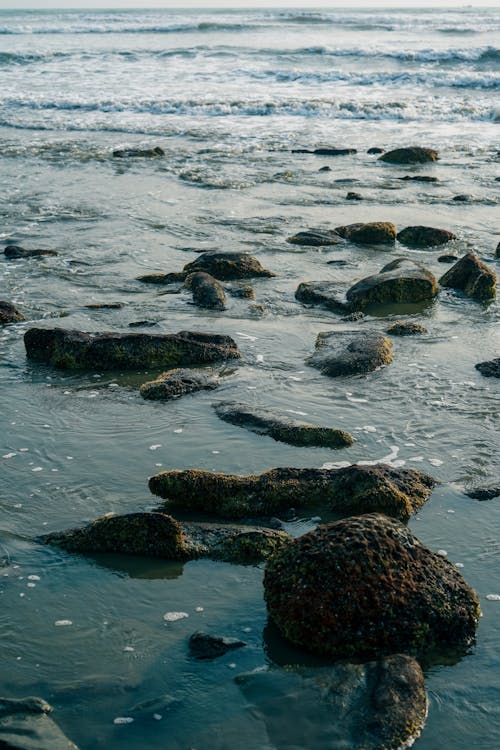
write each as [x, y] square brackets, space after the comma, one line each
[352, 489]
[374, 233]
[420, 237]
[402, 281]
[126, 153]
[365, 586]
[485, 491]
[14, 252]
[25, 724]
[350, 352]
[223, 266]
[207, 646]
[324, 293]
[406, 328]
[315, 238]
[207, 292]
[280, 427]
[410, 155]
[490, 369]
[9, 313]
[175, 383]
[71, 350]
[471, 276]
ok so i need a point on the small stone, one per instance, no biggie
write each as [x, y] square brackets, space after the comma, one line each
[406, 329]
[9, 313]
[489, 369]
[351, 196]
[207, 646]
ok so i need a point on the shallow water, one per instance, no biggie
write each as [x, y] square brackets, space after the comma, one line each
[227, 95]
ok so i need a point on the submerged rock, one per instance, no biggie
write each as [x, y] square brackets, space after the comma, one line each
[365, 586]
[70, 350]
[207, 292]
[123, 153]
[207, 646]
[406, 328]
[9, 313]
[223, 266]
[244, 291]
[447, 258]
[373, 233]
[485, 491]
[419, 178]
[26, 725]
[353, 489]
[490, 369]
[352, 196]
[375, 150]
[15, 252]
[280, 427]
[178, 382]
[326, 151]
[105, 306]
[471, 276]
[324, 293]
[350, 352]
[401, 281]
[410, 155]
[315, 238]
[424, 236]
[462, 198]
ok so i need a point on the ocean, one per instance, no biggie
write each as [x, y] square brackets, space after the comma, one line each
[230, 96]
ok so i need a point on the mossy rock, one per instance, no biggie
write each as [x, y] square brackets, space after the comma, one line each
[373, 233]
[422, 237]
[410, 155]
[471, 276]
[207, 292]
[15, 252]
[401, 281]
[340, 353]
[9, 313]
[406, 328]
[176, 383]
[228, 266]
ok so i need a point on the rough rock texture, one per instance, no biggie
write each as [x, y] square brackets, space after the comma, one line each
[223, 266]
[410, 155]
[14, 252]
[244, 291]
[9, 313]
[365, 586]
[424, 236]
[70, 350]
[350, 352]
[207, 646]
[406, 328]
[379, 705]
[122, 153]
[25, 725]
[485, 491]
[400, 281]
[324, 293]
[315, 238]
[373, 233]
[490, 369]
[471, 276]
[178, 382]
[353, 489]
[280, 427]
[207, 292]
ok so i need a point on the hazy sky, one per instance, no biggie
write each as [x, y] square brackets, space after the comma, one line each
[233, 4]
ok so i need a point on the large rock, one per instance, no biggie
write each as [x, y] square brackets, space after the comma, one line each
[9, 313]
[350, 352]
[126, 153]
[207, 292]
[14, 252]
[410, 155]
[490, 369]
[379, 705]
[400, 281]
[424, 236]
[315, 238]
[280, 427]
[352, 489]
[178, 382]
[365, 586]
[223, 266]
[471, 276]
[25, 724]
[373, 233]
[324, 293]
[71, 350]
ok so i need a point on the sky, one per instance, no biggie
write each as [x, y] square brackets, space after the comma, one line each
[234, 4]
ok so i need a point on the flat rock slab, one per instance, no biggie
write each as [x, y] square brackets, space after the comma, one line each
[421, 237]
[178, 382]
[222, 266]
[207, 291]
[26, 725]
[281, 427]
[379, 705]
[410, 155]
[402, 281]
[352, 489]
[471, 276]
[15, 252]
[315, 238]
[490, 369]
[207, 646]
[327, 294]
[71, 350]
[350, 352]
[372, 233]
[9, 313]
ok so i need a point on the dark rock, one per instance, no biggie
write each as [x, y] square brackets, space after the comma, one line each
[244, 291]
[351, 196]
[315, 238]
[105, 306]
[353, 489]
[489, 369]
[350, 352]
[69, 350]
[399, 282]
[471, 276]
[461, 198]
[324, 293]
[207, 291]
[325, 169]
[15, 252]
[280, 427]
[143, 323]
[365, 586]
[9, 313]
[207, 646]
[25, 725]
[487, 491]
[375, 150]
[337, 262]
[410, 155]
[497, 251]
[125, 153]
[447, 258]
[406, 329]
[419, 178]
[424, 236]
[175, 383]
[228, 266]
[354, 316]
[162, 278]
[374, 233]
[326, 151]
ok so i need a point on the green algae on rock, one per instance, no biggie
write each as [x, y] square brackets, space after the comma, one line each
[373, 233]
[73, 350]
[352, 489]
[400, 281]
[350, 352]
[421, 237]
[410, 155]
[179, 382]
[365, 586]
[9, 313]
[471, 276]
[406, 328]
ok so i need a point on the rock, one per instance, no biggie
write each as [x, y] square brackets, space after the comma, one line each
[280, 427]
[325, 169]
[178, 382]
[162, 278]
[315, 238]
[461, 198]
[406, 329]
[497, 251]
[244, 291]
[484, 492]
[9, 313]
[350, 352]
[352, 489]
[105, 306]
[25, 725]
[147, 709]
[375, 150]
[365, 586]
[14, 252]
[127, 153]
[471, 276]
[207, 292]
[223, 266]
[70, 350]
[379, 705]
[326, 151]
[351, 196]
[143, 323]
[447, 258]
[207, 646]
[489, 369]
[354, 316]
[401, 281]
[419, 178]
[424, 236]
[324, 293]
[410, 155]
[374, 233]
